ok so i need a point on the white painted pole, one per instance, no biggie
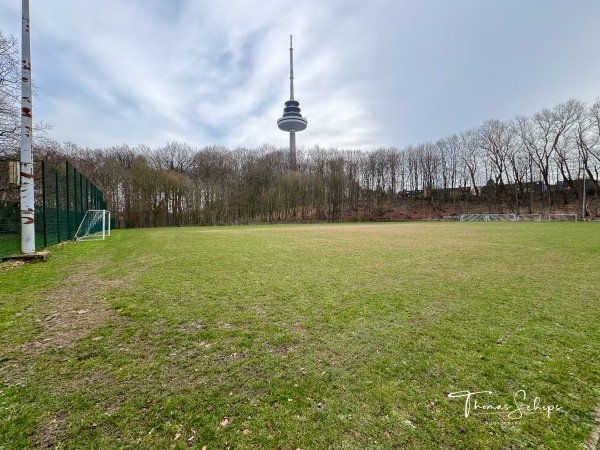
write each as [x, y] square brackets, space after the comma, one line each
[583, 197]
[27, 192]
[103, 223]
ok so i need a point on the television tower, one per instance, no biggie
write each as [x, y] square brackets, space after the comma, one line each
[292, 120]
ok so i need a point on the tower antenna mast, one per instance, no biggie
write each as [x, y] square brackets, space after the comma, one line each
[291, 69]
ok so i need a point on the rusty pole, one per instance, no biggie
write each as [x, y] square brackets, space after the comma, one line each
[27, 197]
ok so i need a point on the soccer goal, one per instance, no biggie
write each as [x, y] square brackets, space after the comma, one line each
[562, 217]
[473, 217]
[501, 217]
[95, 226]
[529, 218]
[488, 217]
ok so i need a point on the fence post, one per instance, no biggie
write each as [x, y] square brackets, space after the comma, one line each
[68, 202]
[57, 205]
[81, 196]
[74, 199]
[44, 203]
[75, 202]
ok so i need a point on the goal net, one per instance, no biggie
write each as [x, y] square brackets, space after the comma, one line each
[562, 217]
[488, 217]
[94, 226]
[451, 218]
[473, 217]
[501, 217]
[529, 217]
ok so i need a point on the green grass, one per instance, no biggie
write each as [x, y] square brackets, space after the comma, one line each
[9, 244]
[341, 336]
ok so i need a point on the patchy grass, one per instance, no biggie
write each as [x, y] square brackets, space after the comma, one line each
[341, 336]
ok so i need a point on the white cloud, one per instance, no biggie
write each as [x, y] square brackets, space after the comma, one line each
[367, 74]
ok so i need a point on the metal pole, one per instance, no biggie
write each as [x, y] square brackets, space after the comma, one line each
[44, 204]
[27, 200]
[57, 206]
[75, 221]
[583, 196]
[68, 200]
[75, 203]
[81, 195]
[291, 70]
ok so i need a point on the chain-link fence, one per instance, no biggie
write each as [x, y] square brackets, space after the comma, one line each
[62, 196]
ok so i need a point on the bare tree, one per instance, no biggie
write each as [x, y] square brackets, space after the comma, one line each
[495, 139]
[566, 118]
[535, 135]
[471, 158]
[429, 168]
[451, 164]
[10, 94]
[588, 142]
[519, 168]
[587, 136]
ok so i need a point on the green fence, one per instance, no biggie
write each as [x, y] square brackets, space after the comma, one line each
[61, 196]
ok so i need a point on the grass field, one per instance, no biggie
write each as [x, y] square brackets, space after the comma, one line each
[311, 337]
[9, 244]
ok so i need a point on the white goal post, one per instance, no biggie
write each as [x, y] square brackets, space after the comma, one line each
[562, 217]
[94, 226]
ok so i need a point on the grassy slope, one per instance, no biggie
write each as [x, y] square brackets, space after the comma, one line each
[303, 337]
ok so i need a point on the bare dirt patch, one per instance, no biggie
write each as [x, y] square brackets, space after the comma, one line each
[75, 309]
[595, 434]
[67, 313]
[52, 430]
[63, 314]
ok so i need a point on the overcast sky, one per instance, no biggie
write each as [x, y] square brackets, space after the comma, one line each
[368, 74]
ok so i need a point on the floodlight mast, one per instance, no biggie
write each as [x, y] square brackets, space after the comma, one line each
[292, 121]
[26, 173]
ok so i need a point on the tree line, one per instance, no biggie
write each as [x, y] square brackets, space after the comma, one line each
[529, 164]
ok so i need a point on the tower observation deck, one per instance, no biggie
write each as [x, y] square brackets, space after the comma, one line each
[292, 121]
